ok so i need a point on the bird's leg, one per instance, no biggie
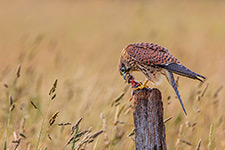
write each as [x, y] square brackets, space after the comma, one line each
[145, 83]
[142, 86]
[136, 85]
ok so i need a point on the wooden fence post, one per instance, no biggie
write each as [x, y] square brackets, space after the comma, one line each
[148, 120]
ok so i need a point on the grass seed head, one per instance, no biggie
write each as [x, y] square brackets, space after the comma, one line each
[53, 118]
[11, 100]
[49, 136]
[199, 144]
[18, 71]
[35, 107]
[52, 90]
[6, 85]
[75, 126]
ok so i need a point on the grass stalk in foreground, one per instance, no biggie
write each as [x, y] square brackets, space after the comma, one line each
[11, 105]
[210, 147]
[52, 96]
[74, 138]
[42, 128]
[7, 128]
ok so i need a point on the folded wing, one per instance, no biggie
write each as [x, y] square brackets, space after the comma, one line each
[182, 70]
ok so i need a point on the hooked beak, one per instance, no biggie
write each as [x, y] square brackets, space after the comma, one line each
[124, 76]
[127, 77]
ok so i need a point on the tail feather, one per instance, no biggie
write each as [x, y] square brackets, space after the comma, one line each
[182, 70]
[170, 78]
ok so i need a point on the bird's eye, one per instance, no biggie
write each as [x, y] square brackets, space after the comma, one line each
[122, 70]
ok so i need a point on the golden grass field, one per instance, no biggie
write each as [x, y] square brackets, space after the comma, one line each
[79, 43]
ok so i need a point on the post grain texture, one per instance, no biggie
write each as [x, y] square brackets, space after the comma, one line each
[148, 120]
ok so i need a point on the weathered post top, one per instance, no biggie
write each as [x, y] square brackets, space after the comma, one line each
[148, 120]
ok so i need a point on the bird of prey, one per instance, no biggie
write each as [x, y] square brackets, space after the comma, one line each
[153, 61]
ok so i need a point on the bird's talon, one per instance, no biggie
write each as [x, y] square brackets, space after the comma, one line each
[142, 86]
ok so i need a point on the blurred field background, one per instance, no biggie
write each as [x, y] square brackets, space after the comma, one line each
[79, 43]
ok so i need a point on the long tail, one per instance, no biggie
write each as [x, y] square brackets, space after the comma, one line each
[170, 78]
[182, 70]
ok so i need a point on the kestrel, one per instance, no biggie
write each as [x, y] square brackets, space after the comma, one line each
[154, 61]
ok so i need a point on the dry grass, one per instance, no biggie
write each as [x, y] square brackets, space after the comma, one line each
[79, 43]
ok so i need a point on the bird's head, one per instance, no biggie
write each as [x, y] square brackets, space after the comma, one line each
[124, 67]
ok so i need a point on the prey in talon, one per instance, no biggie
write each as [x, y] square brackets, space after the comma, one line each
[154, 62]
[130, 80]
